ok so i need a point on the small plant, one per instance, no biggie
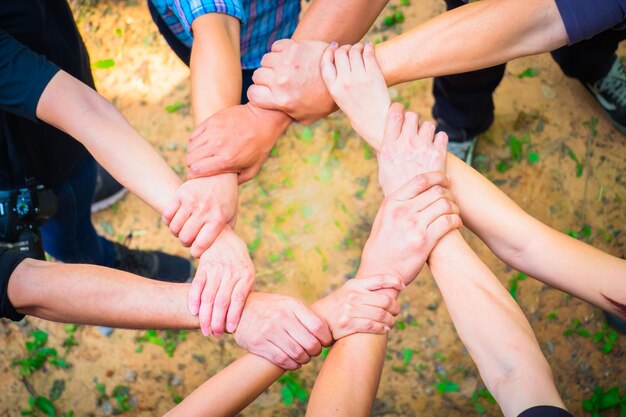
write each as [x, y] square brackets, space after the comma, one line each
[171, 108]
[528, 73]
[605, 400]
[577, 328]
[121, 394]
[444, 384]
[481, 393]
[38, 354]
[579, 165]
[70, 340]
[592, 125]
[407, 355]
[514, 283]
[292, 389]
[167, 339]
[176, 397]
[606, 338]
[39, 404]
[520, 148]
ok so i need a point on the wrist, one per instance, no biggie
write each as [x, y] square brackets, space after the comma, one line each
[276, 118]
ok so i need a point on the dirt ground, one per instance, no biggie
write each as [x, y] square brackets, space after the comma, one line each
[307, 216]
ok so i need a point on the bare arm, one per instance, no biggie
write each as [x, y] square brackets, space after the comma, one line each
[477, 35]
[107, 296]
[81, 112]
[532, 247]
[493, 328]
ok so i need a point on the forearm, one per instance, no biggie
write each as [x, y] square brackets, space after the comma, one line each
[82, 113]
[358, 357]
[250, 374]
[493, 328]
[325, 20]
[215, 66]
[477, 35]
[89, 294]
[530, 246]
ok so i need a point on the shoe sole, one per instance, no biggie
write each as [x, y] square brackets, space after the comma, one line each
[109, 201]
[617, 126]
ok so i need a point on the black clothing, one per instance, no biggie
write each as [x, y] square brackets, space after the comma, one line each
[8, 262]
[545, 411]
[46, 27]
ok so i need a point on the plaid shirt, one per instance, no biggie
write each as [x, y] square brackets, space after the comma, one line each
[262, 22]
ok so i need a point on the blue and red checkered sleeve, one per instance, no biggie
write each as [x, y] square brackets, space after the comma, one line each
[189, 10]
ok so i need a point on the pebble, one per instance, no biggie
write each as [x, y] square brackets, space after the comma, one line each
[130, 376]
[107, 408]
[549, 346]
[106, 331]
[176, 380]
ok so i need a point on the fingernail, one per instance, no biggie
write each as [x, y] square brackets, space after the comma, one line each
[333, 43]
[218, 335]
[230, 327]
[206, 332]
[387, 328]
[368, 42]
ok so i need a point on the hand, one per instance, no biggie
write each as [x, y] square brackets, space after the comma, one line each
[237, 139]
[223, 280]
[282, 330]
[408, 225]
[290, 81]
[408, 150]
[200, 209]
[356, 307]
[358, 86]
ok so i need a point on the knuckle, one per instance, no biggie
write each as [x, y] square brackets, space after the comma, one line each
[221, 302]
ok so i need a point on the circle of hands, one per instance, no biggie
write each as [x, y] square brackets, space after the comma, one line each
[417, 211]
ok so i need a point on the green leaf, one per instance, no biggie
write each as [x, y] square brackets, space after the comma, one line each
[286, 395]
[103, 64]
[533, 157]
[528, 73]
[58, 386]
[579, 169]
[503, 166]
[307, 134]
[45, 406]
[171, 108]
[609, 399]
[447, 386]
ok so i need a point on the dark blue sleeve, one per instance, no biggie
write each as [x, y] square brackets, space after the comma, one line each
[545, 410]
[23, 77]
[584, 19]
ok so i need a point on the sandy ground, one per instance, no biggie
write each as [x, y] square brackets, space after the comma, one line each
[309, 213]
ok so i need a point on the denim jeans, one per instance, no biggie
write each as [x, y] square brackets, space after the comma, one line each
[69, 235]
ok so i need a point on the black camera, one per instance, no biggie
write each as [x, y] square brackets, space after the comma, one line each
[22, 211]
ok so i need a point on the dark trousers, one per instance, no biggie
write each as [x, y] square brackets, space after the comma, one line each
[184, 52]
[69, 235]
[466, 100]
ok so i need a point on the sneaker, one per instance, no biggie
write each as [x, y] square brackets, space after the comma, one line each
[459, 143]
[152, 264]
[610, 92]
[108, 191]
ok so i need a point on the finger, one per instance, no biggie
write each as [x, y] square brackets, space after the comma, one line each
[441, 141]
[369, 58]
[179, 220]
[247, 174]
[356, 58]
[361, 325]
[222, 301]
[442, 225]
[285, 342]
[261, 96]
[200, 152]
[197, 132]
[375, 314]
[207, 299]
[270, 60]
[307, 343]
[190, 230]
[263, 76]
[409, 127]
[429, 196]
[419, 184]
[314, 324]
[282, 44]
[342, 62]
[381, 281]
[170, 211]
[238, 300]
[436, 210]
[427, 131]
[205, 237]
[280, 358]
[212, 166]
[393, 125]
[381, 301]
[195, 291]
[327, 64]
